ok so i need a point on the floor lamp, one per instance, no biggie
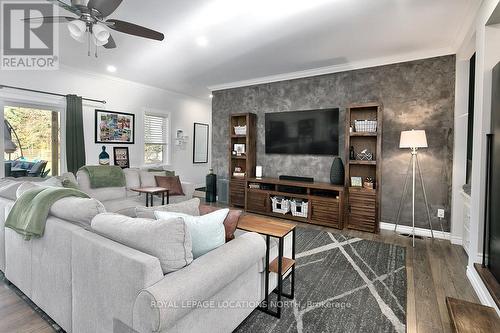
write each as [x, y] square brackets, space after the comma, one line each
[413, 140]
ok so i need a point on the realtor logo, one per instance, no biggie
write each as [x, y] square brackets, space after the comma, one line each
[28, 45]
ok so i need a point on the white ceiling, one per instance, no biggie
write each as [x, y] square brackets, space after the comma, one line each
[248, 39]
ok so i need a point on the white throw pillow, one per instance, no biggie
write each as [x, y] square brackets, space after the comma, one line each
[207, 231]
[168, 240]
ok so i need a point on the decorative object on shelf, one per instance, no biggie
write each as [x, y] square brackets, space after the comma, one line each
[368, 183]
[337, 172]
[280, 205]
[103, 157]
[114, 127]
[211, 186]
[180, 138]
[413, 140]
[238, 172]
[369, 126]
[258, 172]
[299, 207]
[356, 181]
[364, 155]
[121, 157]
[351, 129]
[239, 148]
[240, 130]
[352, 154]
[200, 143]
[255, 186]
[234, 153]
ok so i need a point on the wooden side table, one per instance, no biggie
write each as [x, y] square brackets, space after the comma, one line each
[281, 265]
[151, 191]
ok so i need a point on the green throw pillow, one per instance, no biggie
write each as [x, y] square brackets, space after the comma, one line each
[168, 173]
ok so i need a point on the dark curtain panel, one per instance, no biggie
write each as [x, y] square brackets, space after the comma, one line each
[75, 145]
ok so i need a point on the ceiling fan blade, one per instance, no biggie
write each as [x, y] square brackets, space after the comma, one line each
[104, 7]
[49, 19]
[134, 29]
[111, 43]
[64, 5]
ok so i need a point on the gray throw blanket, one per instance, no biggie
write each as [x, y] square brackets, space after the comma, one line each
[105, 175]
[30, 212]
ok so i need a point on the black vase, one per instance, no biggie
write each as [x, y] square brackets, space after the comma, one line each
[337, 171]
[211, 187]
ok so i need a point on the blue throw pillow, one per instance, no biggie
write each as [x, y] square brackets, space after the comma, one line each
[207, 231]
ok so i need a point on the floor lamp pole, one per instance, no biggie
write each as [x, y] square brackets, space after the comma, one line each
[413, 160]
[414, 165]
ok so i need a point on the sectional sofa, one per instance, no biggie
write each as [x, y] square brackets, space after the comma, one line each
[90, 283]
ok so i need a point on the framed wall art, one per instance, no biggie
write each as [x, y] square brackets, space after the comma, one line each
[114, 127]
[121, 157]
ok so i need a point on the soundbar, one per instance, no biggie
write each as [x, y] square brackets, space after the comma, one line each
[297, 178]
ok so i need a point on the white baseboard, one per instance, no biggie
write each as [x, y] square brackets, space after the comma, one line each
[404, 229]
[456, 240]
[480, 289]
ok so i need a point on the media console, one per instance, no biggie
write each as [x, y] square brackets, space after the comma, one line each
[326, 201]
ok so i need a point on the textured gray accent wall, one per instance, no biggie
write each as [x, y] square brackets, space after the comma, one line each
[415, 95]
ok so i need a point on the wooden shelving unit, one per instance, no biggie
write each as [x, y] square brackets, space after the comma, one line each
[326, 201]
[246, 162]
[363, 205]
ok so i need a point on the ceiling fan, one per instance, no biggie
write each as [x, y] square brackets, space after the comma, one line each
[91, 23]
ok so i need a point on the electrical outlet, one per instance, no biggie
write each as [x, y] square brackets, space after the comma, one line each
[441, 213]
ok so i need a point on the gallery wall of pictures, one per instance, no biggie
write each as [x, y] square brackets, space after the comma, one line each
[114, 127]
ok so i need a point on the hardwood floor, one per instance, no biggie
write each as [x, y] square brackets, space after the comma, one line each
[435, 270]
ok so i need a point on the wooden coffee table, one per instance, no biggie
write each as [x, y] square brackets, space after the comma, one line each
[281, 265]
[151, 191]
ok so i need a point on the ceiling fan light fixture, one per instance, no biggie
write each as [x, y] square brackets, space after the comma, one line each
[97, 42]
[77, 28]
[100, 33]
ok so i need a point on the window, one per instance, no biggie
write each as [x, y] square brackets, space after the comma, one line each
[155, 139]
[32, 138]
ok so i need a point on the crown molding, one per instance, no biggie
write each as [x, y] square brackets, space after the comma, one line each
[375, 62]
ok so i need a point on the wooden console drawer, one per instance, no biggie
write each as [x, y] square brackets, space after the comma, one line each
[257, 201]
[237, 192]
[325, 212]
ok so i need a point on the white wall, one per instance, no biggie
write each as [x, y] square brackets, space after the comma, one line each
[123, 96]
[487, 46]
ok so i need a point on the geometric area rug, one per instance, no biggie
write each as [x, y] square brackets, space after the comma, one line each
[343, 284]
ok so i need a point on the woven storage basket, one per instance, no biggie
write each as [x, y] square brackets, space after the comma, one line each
[240, 130]
[299, 208]
[365, 125]
[280, 205]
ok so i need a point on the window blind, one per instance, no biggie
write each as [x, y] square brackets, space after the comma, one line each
[155, 130]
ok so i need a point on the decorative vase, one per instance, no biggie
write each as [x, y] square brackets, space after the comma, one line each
[211, 187]
[103, 157]
[337, 171]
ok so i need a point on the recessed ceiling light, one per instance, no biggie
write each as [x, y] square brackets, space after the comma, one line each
[111, 69]
[202, 41]
[210, 96]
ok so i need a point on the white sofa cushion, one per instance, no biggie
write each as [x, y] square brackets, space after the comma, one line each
[168, 240]
[132, 178]
[77, 210]
[189, 207]
[9, 191]
[148, 178]
[207, 231]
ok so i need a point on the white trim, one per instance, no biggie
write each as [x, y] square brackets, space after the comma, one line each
[336, 68]
[480, 289]
[456, 240]
[404, 229]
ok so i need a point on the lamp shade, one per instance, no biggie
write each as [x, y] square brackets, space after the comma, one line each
[413, 139]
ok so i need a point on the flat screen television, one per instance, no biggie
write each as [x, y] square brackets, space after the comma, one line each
[314, 132]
